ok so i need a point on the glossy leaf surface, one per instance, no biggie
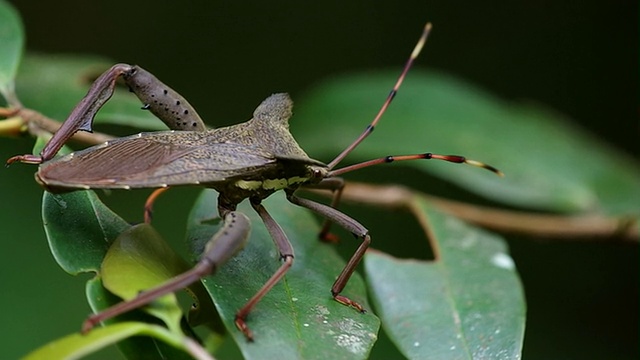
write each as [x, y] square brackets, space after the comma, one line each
[466, 304]
[11, 46]
[76, 346]
[298, 318]
[80, 229]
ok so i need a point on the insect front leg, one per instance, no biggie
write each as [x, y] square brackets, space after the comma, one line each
[228, 241]
[286, 254]
[148, 205]
[348, 224]
[336, 185]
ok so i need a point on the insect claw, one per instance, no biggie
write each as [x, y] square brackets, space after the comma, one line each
[87, 325]
[348, 302]
[146, 107]
[27, 159]
[242, 326]
[329, 237]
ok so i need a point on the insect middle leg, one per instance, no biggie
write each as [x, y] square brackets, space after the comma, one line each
[349, 224]
[286, 254]
[336, 185]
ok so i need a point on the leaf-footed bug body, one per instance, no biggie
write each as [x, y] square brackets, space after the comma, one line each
[251, 160]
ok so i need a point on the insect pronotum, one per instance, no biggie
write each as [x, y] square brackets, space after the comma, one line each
[250, 160]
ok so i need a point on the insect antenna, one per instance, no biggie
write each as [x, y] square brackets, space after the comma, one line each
[426, 156]
[369, 129]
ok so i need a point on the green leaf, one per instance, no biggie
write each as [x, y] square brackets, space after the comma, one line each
[139, 259]
[467, 304]
[136, 347]
[80, 229]
[548, 163]
[54, 84]
[298, 318]
[76, 346]
[11, 47]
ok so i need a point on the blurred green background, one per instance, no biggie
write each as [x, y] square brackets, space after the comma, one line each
[579, 58]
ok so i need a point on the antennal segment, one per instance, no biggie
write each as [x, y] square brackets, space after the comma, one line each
[427, 156]
[385, 105]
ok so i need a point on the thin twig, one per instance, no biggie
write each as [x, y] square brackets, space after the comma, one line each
[564, 227]
[9, 94]
[36, 123]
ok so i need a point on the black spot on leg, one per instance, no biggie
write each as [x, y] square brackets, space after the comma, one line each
[186, 112]
[178, 102]
[165, 91]
[194, 124]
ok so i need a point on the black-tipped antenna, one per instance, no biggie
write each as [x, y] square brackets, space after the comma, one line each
[427, 156]
[385, 105]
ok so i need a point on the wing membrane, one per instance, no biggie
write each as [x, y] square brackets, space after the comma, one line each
[149, 161]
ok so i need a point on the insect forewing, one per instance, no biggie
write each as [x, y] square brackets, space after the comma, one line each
[153, 160]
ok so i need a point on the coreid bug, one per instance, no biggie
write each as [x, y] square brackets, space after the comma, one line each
[251, 160]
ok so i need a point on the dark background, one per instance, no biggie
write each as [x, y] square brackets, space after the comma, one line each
[577, 57]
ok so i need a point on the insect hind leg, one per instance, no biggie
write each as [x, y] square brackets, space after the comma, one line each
[286, 254]
[223, 245]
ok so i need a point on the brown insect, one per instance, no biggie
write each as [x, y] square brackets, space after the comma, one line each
[251, 160]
